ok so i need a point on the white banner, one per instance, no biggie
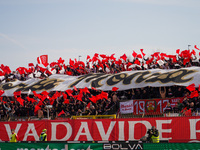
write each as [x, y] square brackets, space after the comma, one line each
[126, 107]
[123, 80]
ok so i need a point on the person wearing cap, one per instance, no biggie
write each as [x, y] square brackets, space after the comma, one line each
[13, 137]
[153, 135]
[43, 135]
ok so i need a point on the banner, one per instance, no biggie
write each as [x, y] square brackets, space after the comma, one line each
[126, 107]
[51, 146]
[99, 146]
[174, 129]
[144, 106]
[123, 80]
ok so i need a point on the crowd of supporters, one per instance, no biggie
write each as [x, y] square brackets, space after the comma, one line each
[65, 104]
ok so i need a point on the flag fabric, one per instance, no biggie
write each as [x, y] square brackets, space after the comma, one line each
[94, 89]
[177, 51]
[17, 93]
[124, 57]
[191, 87]
[75, 88]
[66, 101]
[61, 61]
[115, 88]
[1, 92]
[69, 92]
[194, 94]
[195, 46]
[104, 95]
[139, 56]
[31, 65]
[143, 54]
[88, 57]
[37, 108]
[45, 93]
[88, 105]
[43, 59]
[62, 112]
[93, 99]
[21, 101]
[134, 54]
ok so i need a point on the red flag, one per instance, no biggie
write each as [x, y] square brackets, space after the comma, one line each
[96, 55]
[199, 87]
[194, 94]
[75, 88]
[93, 99]
[191, 87]
[88, 57]
[98, 97]
[69, 73]
[35, 94]
[195, 46]
[177, 51]
[43, 59]
[45, 93]
[31, 65]
[88, 105]
[137, 62]
[85, 90]
[21, 101]
[102, 56]
[112, 57]
[66, 101]
[94, 88]
[104, 95]
[61, 61]
[36, 108]
[17, 93]
[139, 56]
[1, 92]
[188, 113]
[142, 52]
[31, 99]
[124, 57]
[69, 92]
[64, 95]
[40, 103]
[134, 54]
[79, 97]
[62, 112]
[185, 61]
[115, 88]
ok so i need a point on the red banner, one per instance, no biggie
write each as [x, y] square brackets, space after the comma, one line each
[182, 129]
[153, 105]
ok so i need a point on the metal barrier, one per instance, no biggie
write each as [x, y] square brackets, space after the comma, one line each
[95, 117]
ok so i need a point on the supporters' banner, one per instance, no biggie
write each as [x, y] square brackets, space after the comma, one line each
[123, 80]
[182, 129]
[126, 107]
[150, 106]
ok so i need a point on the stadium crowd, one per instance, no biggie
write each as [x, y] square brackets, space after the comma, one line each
[92, 101]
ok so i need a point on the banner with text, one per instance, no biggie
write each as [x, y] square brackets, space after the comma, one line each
[182, 129]
[126, 107]
[144, 106]
[123, 80]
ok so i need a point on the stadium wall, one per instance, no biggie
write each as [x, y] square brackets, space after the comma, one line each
[173, 129]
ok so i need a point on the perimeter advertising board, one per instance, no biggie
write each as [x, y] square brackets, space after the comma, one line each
[174, 129]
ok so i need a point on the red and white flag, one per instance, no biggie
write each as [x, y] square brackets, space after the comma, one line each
[43, 59]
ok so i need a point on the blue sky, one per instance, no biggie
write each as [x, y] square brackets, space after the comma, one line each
[69, 28]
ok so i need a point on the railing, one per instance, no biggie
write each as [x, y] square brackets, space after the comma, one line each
[95, 117]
